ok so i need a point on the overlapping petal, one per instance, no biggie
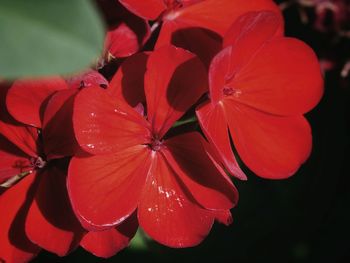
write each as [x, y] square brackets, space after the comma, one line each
[14, 244]
[187, 37]
[214, 125]
[124, 39]
[254, 69]
[283, 77]
[109, 242]
[24, 137]
[59, 140]
[105, 189]
[128, 83]
[26, 98]
[207, 21]
[187, 156]
[88, 78]
[150, 9]
[260, 85]
[103, 124]
[175, 79]
[166, 210]
[13, 161]
[218, 15]
[50, 222]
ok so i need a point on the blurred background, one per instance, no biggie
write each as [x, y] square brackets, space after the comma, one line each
[307, 217]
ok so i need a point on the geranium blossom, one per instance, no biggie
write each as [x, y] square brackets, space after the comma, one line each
[172, 182]
[39, 214]
[260, 85]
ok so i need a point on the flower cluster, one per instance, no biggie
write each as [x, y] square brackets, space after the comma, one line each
[87, 159]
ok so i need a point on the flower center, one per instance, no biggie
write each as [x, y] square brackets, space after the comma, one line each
[25, 168]
[228, 91]
[156, 144]
[38, 162]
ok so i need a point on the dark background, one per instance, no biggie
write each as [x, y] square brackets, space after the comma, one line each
[302, 219]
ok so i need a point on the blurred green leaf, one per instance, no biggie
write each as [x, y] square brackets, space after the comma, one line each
[43, 37]
[139, 242]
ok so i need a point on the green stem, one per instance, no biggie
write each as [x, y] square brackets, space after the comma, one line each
[186, 121]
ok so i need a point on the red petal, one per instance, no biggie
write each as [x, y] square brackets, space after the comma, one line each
[271, 146]
[51, 223]
[128, 83]
[165, 211]
[186, 37]
[102, 124]
[218, 15]
[186, 154]
[127, 38]
[214, 125]
[26, 98]
[252, 29]
[88, 78]
[109, 242]
[59, 140]
[282, 78]
[12, 160]
[15, 246]
[24, 137]
[219, 72]
[104, 189]
[224, 217]
[150, 9]
[174, 81]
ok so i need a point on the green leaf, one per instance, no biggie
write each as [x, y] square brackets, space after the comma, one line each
[43, 37]
[139, 242]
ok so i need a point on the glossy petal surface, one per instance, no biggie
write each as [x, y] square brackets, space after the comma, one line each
[15, 246]
[175, 79]
[50, 222]
[103, 124]
[96, 184]
[186, 154]
[166, 211]
[26, 98]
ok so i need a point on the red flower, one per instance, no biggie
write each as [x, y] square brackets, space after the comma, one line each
[38, 209]
[260, 85]
[172, 182]
[186, 23]
[127, 33]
